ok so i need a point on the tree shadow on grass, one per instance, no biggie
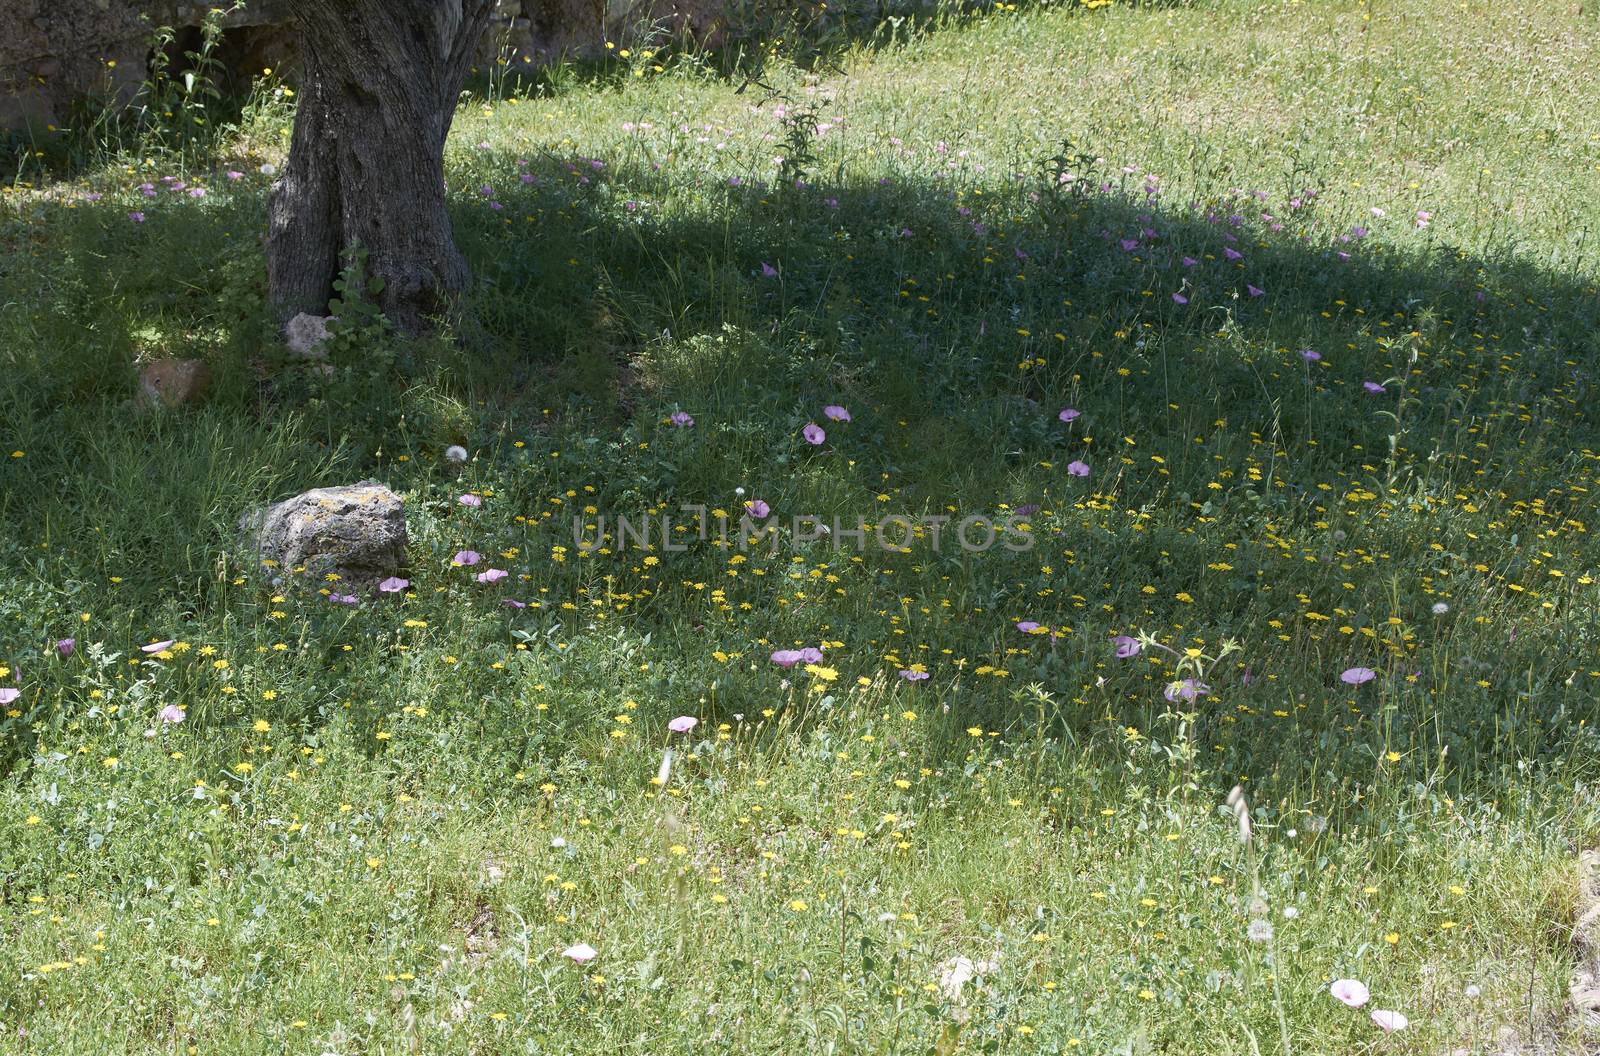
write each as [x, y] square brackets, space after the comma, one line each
[1241, 367]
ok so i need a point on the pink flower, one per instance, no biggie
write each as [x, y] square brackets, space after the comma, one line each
[813, 433]
[681, 419]
[1027, 626]
[1310, 355]
[757, 509]
[136, 217]
[1389, 1020]
[9, 695]
[582, 953]
[1179, 298]
[66, 646]
[1126, 647]
[156, 647]
[1372, 387]
[470, 500]
[393, 585]
[493, 575]
[1068, 413]
[1254, 291]
[1078, 469]
[1187, 690]
[171, 714]
[913, 676]
[835, 413]
[683, 724]
[1355, 676]
[513, 603]
[466, 557]
[789, 657]
[1352, 992]
[768, 271]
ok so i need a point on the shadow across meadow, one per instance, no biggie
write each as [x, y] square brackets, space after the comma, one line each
[954, 315]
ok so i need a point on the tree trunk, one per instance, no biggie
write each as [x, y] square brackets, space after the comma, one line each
[378, 89]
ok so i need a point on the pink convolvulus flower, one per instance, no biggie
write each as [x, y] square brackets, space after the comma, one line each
[1389, 1021]
[1352, 992]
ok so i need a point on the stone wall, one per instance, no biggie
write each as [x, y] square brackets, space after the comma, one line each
[53, 51]
[56, 53]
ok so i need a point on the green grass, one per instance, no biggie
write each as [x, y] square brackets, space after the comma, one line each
[379, 826]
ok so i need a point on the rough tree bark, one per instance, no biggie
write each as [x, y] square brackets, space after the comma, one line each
[379, 84]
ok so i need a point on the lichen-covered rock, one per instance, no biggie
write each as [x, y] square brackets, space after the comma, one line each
[307, 336]
[357, 531]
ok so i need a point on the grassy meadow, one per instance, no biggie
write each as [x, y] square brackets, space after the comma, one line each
[1268, 329]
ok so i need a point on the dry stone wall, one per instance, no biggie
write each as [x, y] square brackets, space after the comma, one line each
[55, 54]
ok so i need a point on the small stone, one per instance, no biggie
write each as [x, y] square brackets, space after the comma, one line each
[357, 531]
[172, 383]
[307, 336]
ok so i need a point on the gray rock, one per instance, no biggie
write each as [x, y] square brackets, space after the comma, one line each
[358, 531]
[307, 336]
